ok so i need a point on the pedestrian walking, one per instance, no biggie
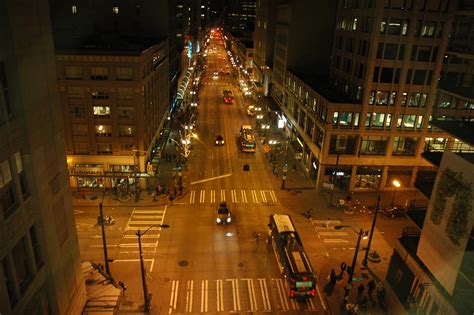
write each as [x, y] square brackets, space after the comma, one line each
[332, 277]
[343, 268]
[153, 194]
[175, 190]
[171, 198]
[370, 287]
[360, 291]
[180, 189]
[309, 213]
[83, 194]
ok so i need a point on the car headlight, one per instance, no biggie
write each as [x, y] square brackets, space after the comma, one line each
[217, 142]
[218, 220]
[228, 220]
[222, 141]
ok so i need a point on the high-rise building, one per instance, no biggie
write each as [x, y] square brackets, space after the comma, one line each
[240, 17]
[39, 252]
[263, 42]
[365, 123]
[114, 73]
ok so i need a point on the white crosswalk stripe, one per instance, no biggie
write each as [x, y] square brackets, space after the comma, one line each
[332, 239]
[256, 196]
[236, 295]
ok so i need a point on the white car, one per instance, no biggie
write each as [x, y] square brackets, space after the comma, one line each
[215, 75]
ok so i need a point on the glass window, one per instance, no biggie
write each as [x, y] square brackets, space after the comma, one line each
[388, 121]
[378, 120]
[124, 73]
[334, 118]
[356, 119]
[428, 29]
[404, 98]
[103, 130]
[9, 283]
[409, 121]
[345, 119]
[77, 111]
[404, 146]
[381, 98]
[372, 97]
[368, 177]
[103, 148]
[80, 130]
[390, 51]
[36, 247]
[435, 144]
[405, 27]
[80, 147]
[419, 77]
[383, 26]
[342, 144]
[367, 119]
[424, 53]
[394, 27]
[386, 75]
[101, 111]
[373, 145]
[419, 122]
[126, 130]
[8, 200]
[393, 97]
[23, 272]
[73, 73]
[21, 175]
[100, 95]
[124, 93]
[99, 73]
[125, 112]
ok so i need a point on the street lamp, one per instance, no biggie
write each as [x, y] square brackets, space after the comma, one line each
[146, 294]
[361, 235]
[104, 241]
[396, 184]
[365, 261]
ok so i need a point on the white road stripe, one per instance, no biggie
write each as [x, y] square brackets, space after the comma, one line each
[294, 304]
[222, 194]
[174, 295]
[143, 236]
[189, 296]
[264, 198]
[244, 196]
[252, 297]
[311, 305]
[233, 194]
[202, 196]
[254, 196]
[147, 222]
[220, 296]
[281, 294]
[213, 196]
[235, 294]
[204, 295]
[272, 194]
[333, 233]
[335, 240]
[192, 196]
[334, 222]
[151, 217]
[264, 291]
[323, 304]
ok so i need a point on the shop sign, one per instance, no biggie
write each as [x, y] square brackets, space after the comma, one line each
[88, 171]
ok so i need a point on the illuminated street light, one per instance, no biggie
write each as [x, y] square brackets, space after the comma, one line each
[396, 184]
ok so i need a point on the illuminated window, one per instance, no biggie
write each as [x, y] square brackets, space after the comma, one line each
[74, 9]
[115, 10]
[102, 111]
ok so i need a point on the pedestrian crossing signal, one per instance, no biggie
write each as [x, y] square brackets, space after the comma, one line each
[246, 167]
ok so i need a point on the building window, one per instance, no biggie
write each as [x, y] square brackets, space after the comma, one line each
[354, 24]
[73, 73]
[7, 190]
[124, 73]
[435, 144]
[4, 90]
[80, 147]
[378, 120]
[404, 146]
[104, 148]
[9, 283]
[381, 98]
[101, 111]
[425, 29]
[99, 73]
[36, 247]
[373, 145]
[77, 111]
[23, 272]
[97, 95]
[74, 9]
[419, 77]
[103, 130]
[115, 10]
[125, 112]
[127, 147]
[80, 130]
[400, 173]
[75, 92]
[406, 121]
[345, 119]
[126, 130]
[21, 175]
[368, 177]
[417, 99]
[124, 93]
[342, 144]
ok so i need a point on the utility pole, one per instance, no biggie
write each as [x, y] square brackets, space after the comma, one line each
[354, 261]
[334, 178]
[104, 241]
[364, 262]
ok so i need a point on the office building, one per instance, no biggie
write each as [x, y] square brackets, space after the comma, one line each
[364, 122]
[39, 252]
[239, 17]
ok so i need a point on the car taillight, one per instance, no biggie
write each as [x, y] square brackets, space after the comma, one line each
[313, 292]
[292, 293]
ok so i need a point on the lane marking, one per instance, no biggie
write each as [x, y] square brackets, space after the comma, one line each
[244, 196]
[174, 295]
[202, 196]
[323, 303]
[204, 295]
[254, 196]
[335, 240]
[222, 194]
[333, 233]
[209, 179]
[235, 294]
[233, 194]
[213, 196]
[264, 291]
[264, 198]
[189, 296]
[281, 294]
[252, 297]
[220, 296]
[273, 196]
[192, 196]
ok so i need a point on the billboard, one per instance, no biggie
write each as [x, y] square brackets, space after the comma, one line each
[448, 222]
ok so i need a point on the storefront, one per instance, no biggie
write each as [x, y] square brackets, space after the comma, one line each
[338, 175]
[88, 176]
[368, 177]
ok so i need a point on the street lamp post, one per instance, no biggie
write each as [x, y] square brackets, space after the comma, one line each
[396, 184]
[361, 234]
[365, 262]
[146, 294]
[104, 241]
[285, 167]
[334, 178]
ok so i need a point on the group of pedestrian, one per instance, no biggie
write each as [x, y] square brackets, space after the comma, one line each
[362, 299]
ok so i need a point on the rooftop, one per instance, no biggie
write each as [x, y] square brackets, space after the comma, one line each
[321, 85]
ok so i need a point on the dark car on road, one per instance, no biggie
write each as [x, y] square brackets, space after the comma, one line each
[223, 214]
[219, 140]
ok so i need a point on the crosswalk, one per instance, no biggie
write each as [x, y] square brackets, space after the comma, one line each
[233, 195]
[236, 295]
[333, 239]
[216, 83]
[142, 219]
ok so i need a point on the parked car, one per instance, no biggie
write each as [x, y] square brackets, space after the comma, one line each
[219, 140]
[223, 214]
[394, 211]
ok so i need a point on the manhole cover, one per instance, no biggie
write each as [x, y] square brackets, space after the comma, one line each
[183, 263]
[241, 264]
[93, 198]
